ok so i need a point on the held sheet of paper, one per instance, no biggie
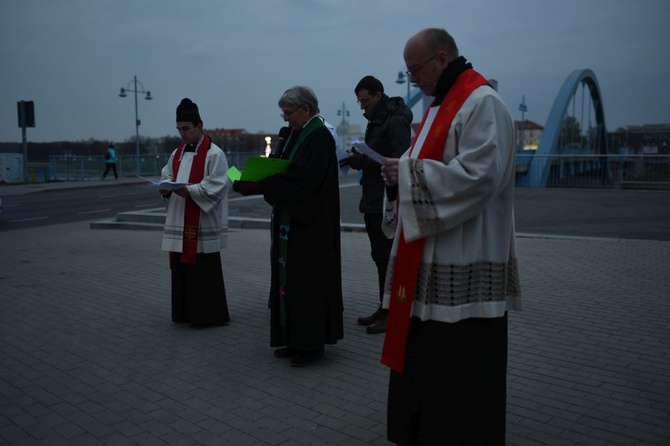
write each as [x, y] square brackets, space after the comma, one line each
[364, 149]
[164, 184]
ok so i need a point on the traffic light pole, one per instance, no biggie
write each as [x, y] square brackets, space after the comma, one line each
[25, 153]
[26, 115]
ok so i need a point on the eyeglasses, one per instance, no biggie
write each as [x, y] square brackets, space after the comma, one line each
[416, 68]
[288, 115]
[363, 101]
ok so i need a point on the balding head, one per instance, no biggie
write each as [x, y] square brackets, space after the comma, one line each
[427, 54]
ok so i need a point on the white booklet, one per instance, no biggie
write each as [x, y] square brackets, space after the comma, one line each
[164, 184]
[364, 149]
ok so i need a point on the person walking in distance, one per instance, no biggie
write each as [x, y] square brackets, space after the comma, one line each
[110, 162]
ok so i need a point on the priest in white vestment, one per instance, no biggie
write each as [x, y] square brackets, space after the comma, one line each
[196, 222]
[452, 276]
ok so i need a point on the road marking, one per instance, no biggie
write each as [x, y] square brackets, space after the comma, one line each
[28, 219]
[119, 195]
[93, 212]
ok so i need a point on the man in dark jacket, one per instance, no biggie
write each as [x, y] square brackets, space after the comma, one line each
[388, 133]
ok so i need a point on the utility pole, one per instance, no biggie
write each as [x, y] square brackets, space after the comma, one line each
[523, 108]
[26, 115]
[123, 94]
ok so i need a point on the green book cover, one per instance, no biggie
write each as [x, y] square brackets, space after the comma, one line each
[234, 174]
[259, 167]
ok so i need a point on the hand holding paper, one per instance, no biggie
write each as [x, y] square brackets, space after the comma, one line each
[364, 149]
[356, 161]
[390, 171]
[165, 184]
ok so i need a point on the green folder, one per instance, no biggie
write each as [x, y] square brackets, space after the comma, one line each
[234, 174]
[259, 167]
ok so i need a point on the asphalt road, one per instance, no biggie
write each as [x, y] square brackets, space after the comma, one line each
[57, 206]
[626, 214]
[606, 213]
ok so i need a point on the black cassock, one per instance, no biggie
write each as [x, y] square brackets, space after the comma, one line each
[309, 193]
[198, 290]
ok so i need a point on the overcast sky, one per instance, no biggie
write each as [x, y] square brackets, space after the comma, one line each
[234, 58]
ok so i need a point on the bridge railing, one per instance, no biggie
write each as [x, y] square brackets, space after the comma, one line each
[581, 171]
[594, 171]
[75, 168]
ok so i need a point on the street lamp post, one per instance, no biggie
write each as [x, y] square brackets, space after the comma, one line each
[148, 97]
[343, 125]
[401, 80]
[523, 108]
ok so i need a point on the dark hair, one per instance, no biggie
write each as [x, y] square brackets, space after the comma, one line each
[371, 84]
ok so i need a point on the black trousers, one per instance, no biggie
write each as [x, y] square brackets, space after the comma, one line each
[453, 391]
[198, 290]
[110, 166]
[380, 247]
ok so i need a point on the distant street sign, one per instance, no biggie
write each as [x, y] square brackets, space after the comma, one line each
[26, 113]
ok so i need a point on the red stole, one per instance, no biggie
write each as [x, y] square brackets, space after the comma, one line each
[189, 253]
[408, 257]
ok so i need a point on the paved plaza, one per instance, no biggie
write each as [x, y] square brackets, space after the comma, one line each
[89, 356]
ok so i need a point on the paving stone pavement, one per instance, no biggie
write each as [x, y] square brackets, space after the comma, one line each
[89, 356]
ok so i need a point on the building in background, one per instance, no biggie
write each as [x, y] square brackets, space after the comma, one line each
[648, 139]
[238, 140]
[528, 134]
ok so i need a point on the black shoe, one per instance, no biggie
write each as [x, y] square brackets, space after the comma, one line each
[284, 352]
[303, 358]
[380, 325]
[369, 320]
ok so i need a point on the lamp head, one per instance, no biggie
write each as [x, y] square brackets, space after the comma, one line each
[148, 96]
[401, 78]
[123, 93]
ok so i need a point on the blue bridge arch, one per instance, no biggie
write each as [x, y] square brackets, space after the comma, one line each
[540, 166]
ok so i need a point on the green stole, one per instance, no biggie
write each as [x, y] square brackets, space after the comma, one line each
[285, 230]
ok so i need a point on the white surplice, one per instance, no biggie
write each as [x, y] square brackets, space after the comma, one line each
[211, 196]
[462, 205]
